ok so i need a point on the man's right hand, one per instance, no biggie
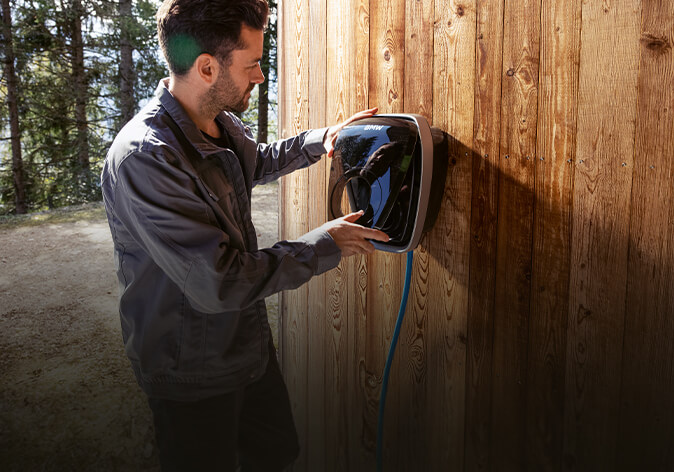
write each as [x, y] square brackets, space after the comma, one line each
[352, 238]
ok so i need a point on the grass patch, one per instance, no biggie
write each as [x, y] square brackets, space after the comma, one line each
[88, 212]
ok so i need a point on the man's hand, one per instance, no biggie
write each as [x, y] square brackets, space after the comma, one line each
[352, 238]
[333, 131]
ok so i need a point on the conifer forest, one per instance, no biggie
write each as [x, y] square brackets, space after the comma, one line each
[73, 73]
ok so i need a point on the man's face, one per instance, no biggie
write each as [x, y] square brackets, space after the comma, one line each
[235, 81]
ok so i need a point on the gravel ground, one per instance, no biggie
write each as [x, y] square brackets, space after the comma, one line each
[68, 398]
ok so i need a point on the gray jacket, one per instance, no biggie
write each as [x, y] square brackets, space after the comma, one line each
[192, 279]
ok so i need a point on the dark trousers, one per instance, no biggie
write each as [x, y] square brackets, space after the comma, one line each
[254, 424]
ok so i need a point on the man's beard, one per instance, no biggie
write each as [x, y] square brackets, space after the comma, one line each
[242, 105]
[223, 95]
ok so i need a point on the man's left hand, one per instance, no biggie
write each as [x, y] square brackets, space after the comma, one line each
[333, 131]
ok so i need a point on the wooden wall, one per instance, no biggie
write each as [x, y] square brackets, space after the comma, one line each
[540, 329]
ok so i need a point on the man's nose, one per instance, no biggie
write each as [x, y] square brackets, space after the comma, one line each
[258, 76]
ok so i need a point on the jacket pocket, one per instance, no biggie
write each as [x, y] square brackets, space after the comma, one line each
[192, 340]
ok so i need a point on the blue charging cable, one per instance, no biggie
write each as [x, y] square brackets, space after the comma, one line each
[389, 361]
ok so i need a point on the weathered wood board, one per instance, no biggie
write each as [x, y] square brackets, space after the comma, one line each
[539, 333]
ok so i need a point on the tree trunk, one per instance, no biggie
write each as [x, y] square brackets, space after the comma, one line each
[126, 70]
[81, 86]
[12, 94]
[263, 96]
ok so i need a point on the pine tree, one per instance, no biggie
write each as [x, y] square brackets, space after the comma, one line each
[268, 65]
[74, 72]
[12, 85]
[126, 72]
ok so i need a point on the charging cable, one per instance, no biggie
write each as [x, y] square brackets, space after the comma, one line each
[389, 361]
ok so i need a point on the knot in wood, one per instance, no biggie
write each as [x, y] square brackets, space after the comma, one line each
[657, 44]
[510, 72]
[387, 55]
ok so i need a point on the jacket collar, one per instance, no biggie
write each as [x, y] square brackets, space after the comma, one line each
[204, 147]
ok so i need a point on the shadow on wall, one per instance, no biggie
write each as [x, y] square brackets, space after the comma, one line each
[504, 345]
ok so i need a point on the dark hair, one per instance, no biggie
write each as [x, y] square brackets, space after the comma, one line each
[188, 28]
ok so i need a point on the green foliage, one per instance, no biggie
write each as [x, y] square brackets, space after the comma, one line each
[249, 117]
[45, 45]
[269, 69]
[45, 42]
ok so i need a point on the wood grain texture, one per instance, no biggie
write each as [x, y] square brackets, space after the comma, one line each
[412, 345]
[647, 399]
[317, 424]
[557, 114]
[449, 242]
[385, 271]
[538, 335]
[519, 112]
[282, 112]
[295, 86]
[340, 59]
[362, 399]
[601, 212]
[484, 157]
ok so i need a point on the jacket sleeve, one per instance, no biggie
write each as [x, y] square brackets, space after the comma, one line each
[161, 207]
[284, 156]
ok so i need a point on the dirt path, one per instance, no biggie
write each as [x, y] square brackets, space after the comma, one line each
[68, 398]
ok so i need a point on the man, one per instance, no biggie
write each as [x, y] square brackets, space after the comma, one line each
[176, 185]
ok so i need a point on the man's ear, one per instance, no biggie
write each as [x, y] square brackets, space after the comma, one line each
[207, 68]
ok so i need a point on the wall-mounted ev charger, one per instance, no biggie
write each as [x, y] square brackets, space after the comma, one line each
[393, 168]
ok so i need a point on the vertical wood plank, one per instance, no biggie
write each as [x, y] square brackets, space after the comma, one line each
[560, 41]
[602, 188]
[484, 217]
[282, 120]
[295, 189]
[338, 345]
[385, 271]
[317, 215]
[448, 245]
[362, 398]
[599, 247]
[411, 353]
[647, 397]
[517, 163]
